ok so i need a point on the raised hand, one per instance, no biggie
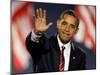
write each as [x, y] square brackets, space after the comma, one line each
[40, 20]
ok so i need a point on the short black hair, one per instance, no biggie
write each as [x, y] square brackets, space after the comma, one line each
[72, 13]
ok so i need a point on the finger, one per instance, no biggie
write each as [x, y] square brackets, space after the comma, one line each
[34, 19]
[44, 14]
[40, 12]
[37, 13]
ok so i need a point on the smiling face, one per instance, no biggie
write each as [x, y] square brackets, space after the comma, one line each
[67, 28]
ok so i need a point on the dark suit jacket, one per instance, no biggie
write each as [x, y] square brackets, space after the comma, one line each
[46, 54]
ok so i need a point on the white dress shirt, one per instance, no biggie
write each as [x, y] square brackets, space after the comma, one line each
[66, 52]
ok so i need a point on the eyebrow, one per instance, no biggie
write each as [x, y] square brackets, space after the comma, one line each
[73, 24]
[64, 22]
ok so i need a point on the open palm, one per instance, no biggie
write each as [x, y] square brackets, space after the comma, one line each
[40, 20]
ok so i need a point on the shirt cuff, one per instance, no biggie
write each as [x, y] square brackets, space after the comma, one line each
[35, 36]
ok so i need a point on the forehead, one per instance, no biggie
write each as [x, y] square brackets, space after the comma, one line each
[69, 18]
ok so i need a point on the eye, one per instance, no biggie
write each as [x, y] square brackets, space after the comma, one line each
[64, 23]
[72, 26]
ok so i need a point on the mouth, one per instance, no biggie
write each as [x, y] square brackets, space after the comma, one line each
[65, 37]
[66, 34]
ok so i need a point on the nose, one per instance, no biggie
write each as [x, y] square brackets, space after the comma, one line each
[67, 28]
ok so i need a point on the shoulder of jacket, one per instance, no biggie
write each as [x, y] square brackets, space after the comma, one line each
[78, 49]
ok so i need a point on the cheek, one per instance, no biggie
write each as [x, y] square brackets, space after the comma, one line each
[73, 33]
[59, 28]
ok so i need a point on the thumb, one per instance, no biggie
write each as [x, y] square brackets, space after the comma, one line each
[50, 24]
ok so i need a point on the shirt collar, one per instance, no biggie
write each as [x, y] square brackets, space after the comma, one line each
[61, 44]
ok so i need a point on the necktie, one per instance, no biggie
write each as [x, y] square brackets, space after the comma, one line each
[61, 65]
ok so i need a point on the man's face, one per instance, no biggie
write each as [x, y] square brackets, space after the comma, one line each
[67, 28]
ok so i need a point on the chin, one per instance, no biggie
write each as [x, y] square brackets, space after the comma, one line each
[65, 41]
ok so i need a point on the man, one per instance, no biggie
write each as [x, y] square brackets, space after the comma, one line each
[57, 53]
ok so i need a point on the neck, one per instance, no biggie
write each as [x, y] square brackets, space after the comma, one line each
[63, 42]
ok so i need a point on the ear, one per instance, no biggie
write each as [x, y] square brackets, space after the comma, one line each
[57, 23]
[76, 30]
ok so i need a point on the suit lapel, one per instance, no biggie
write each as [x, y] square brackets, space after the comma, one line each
[55, 54]
[72, 58]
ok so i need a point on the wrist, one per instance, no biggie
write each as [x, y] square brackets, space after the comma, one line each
[37, 32]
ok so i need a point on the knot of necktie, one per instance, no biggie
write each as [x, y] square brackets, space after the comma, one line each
[63, 47]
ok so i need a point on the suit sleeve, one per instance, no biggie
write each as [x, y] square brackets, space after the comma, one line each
[36, 48]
